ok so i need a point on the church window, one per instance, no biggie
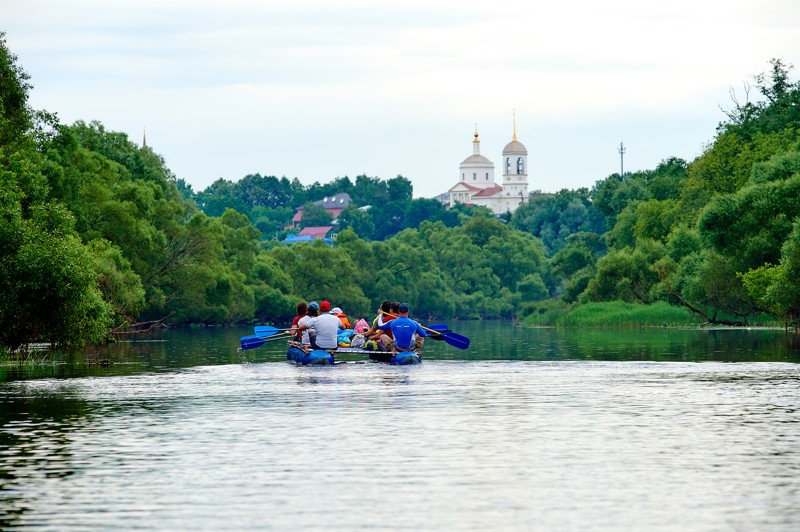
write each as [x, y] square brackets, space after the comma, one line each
[474, 176]
[508, 165]
[462, 176]
[520, 166]
[487, 176]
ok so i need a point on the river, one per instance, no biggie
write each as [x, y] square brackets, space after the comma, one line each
[542, 429]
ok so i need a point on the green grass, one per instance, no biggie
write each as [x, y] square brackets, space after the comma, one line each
[621, 314]
[613, 314]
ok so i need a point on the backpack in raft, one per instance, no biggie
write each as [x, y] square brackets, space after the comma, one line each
[371, 345]
[358, 340]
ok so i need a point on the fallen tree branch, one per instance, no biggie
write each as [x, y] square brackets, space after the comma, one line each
[141, 327]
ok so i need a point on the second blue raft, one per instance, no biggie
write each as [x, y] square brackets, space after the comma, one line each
[316, 357]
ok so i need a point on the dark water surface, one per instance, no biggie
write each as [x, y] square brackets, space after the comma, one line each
[528, 429]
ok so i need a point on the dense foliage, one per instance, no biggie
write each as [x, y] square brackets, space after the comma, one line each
[715, 235]
[98, 233]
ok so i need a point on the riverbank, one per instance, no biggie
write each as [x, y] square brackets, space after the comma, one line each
[621, 314]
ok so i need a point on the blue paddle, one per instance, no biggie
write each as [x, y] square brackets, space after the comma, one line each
[454, 339]
[440, 328]
[265, 330]
[251, 342]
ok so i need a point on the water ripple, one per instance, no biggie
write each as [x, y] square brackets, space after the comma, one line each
[550, 445]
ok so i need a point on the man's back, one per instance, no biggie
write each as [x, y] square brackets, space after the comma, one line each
[327, 327]
[404, 329]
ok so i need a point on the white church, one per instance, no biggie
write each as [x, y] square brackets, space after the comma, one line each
[477, 186]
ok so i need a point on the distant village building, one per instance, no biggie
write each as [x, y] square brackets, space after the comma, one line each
[476, 185]
[308, 234]
[334, 205]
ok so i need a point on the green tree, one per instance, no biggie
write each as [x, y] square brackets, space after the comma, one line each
[220, 195]
[48, 290]
[15, 117]
[706, 283]
[399, 189]
[750, 226]
[315, 216]
[120, 285]
[666, 180]
[369, 191]
[319, 271]
[553, 217]
[574, 265]
[626, 275]
[271, 222]
[611, 195]
[480, 229]
[775, 288]
[358, 220]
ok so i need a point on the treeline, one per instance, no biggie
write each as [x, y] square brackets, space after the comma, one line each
[97, 233]
[379, 208]
[719, 235]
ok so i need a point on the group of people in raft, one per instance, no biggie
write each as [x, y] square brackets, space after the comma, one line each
[318, 326]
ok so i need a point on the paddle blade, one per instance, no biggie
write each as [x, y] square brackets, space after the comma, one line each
[456, 340]
[251, 342]
[265, 330]
[440, 329]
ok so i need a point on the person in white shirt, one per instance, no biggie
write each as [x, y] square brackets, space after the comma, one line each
[327, 328]
[306, 324]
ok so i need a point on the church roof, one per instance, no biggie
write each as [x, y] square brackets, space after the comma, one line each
[477, 159]
[515, 146]
[462, 185]
[488, 192]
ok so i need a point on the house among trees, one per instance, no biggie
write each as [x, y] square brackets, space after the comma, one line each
[334, 205]
[312, 233]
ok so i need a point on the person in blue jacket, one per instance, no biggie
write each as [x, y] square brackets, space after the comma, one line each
[407, 333]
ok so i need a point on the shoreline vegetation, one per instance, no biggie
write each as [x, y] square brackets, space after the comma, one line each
[630, 315]
[100, 238]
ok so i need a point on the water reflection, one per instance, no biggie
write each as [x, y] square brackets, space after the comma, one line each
[179, 348]
[504, 341]
[529, 428]
[36, 428]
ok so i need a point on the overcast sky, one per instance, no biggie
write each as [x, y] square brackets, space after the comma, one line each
[317, 89]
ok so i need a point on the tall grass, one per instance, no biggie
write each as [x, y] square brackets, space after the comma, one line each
[621, 314]
[613, 314]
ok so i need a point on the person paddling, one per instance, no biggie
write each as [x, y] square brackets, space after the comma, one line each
[374, 332]
[305, 326]
[302, 308]
[408, 334]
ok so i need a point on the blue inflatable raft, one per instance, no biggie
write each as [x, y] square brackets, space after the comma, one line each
[315, 357]
[405, 358]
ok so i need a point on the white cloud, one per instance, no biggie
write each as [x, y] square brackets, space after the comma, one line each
[317, 90]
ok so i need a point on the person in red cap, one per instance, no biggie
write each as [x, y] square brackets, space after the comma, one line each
[327, 328]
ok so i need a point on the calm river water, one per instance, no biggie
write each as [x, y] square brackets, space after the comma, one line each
[528, 429]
